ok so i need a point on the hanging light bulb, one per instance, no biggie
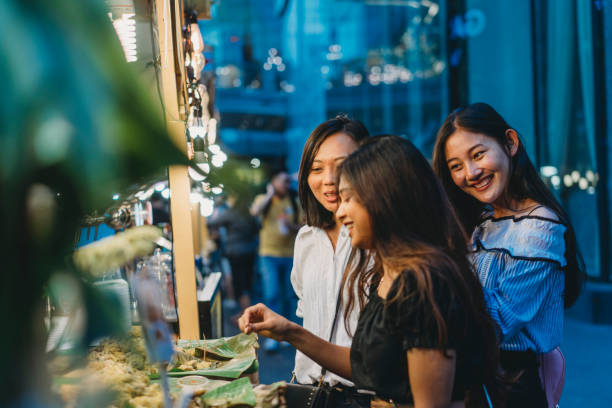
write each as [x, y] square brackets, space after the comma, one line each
[197, 64]
[195, 175]
[206, 207]
[212, 131]
[198, 145]
[196, 38]
[205, 167]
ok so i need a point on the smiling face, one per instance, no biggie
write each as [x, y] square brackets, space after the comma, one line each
[322, 175]
[479, 166]
[352, 213]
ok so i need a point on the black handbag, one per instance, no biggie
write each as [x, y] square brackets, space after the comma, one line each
[308, 396]
[313, 396]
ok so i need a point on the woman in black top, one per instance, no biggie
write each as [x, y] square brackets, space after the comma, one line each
[424, 337]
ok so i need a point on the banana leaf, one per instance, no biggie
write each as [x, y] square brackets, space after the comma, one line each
[235, 356]
[236, 393]
[175, 387]
[234, 368]
[224, 348]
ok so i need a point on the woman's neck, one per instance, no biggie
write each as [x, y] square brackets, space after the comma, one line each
[333, 233]
[513, 207]
[389, 275]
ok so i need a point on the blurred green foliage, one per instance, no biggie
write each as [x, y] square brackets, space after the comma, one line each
[75, 127]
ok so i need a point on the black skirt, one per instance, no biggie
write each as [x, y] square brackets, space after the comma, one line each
[527, 390]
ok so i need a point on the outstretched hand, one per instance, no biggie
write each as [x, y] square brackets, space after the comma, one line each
[260, 319]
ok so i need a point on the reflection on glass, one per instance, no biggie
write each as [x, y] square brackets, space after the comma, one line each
[279, 74]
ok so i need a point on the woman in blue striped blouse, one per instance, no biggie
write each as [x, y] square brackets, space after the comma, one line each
[524, 247]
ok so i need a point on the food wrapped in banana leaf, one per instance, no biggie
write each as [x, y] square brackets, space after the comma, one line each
[227, 357]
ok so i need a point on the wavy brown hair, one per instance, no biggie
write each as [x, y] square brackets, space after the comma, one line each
[316, 214]
[524, 182]
[415, 230]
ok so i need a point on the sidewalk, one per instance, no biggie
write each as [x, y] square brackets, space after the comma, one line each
[588, 365]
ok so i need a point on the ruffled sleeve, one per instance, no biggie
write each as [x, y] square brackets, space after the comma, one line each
[414, 319]
[521, 294]
[530, 238]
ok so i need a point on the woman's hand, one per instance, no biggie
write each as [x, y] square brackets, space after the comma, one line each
[260, 319]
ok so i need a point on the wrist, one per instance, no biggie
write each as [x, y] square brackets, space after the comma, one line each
[292, 334]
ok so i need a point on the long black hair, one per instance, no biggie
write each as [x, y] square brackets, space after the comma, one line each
[415, 230]
[316, 214]
[524, 182]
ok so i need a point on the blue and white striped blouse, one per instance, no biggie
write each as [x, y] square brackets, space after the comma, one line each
[520, 264]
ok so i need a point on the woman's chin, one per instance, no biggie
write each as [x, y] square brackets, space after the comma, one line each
[359, 244]
[488, 196]
[331, 207]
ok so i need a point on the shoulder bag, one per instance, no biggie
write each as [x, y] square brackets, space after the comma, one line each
[313, 396]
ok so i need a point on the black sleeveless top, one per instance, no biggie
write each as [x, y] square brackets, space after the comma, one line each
[385, 334]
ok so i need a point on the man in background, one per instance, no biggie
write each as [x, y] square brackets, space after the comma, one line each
[279, 214]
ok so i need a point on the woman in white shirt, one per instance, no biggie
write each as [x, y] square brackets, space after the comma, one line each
[323, 247]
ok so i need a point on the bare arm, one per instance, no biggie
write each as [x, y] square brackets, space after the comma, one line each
[431, 381]
[260, 319]
[432, 376]
[334, 358]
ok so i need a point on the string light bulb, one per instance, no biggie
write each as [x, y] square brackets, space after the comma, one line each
[196, 38]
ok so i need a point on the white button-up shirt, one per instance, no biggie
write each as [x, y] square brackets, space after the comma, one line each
[316, 278]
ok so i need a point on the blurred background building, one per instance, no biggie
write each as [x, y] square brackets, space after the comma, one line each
[400, 66]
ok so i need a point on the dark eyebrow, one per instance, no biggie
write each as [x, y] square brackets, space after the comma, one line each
[451, 159]
[335, 159]
[475, 147]
[469, 151]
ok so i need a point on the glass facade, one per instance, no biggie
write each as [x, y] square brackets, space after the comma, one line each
[283, 67]
[400, 66]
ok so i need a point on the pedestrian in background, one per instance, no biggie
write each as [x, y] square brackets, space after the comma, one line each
[217, 261]
[240, 247]
[279, 216]
[524, 246]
